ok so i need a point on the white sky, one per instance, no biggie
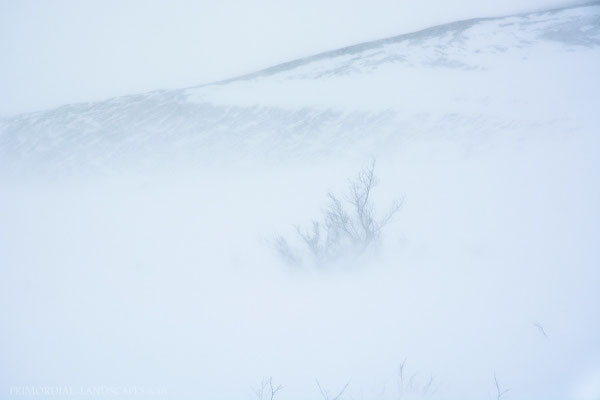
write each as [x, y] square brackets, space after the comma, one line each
[58, 52]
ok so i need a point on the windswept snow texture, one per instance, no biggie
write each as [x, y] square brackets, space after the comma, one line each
[508, 76]
[136, 234]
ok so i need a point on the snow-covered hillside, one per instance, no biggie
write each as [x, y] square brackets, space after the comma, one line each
[137, 235]
[512, 76]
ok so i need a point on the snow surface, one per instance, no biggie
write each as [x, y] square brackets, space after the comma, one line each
[136, 233]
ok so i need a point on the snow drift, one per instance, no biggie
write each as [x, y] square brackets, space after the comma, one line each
[136, 234]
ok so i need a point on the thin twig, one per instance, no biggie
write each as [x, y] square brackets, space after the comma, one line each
[325, 393]
[500, 393]
[273, 390]
[541, 329]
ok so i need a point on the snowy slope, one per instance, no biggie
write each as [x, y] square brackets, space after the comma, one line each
[161, 272]
[503, 76]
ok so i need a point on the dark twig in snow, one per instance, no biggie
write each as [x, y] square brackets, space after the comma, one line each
[500, 393]
[541, 329]
[325, 392]
[262, 390]
[274, 390]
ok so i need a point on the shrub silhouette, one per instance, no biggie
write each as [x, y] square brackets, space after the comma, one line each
[347, 228]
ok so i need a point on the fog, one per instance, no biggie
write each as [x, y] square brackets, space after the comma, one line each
[174, 283]
[139, 235]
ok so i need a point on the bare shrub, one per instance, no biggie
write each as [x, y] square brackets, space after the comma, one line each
[266, 390]
[500, 393]
[414, 385]
[326, 395]
[349, 225]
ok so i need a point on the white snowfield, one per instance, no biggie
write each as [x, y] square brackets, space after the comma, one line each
[510, 76]
[137, 234]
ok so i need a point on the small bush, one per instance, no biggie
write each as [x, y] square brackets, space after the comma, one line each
[348, 227]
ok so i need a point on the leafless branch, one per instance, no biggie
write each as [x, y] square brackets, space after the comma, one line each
[500, 393]
[285, 251]
[273, 390]
[266, 390]
[541, 329]
[325, 392]
[415, 385]
[348, 227]
[401, 376]
[260, 391]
